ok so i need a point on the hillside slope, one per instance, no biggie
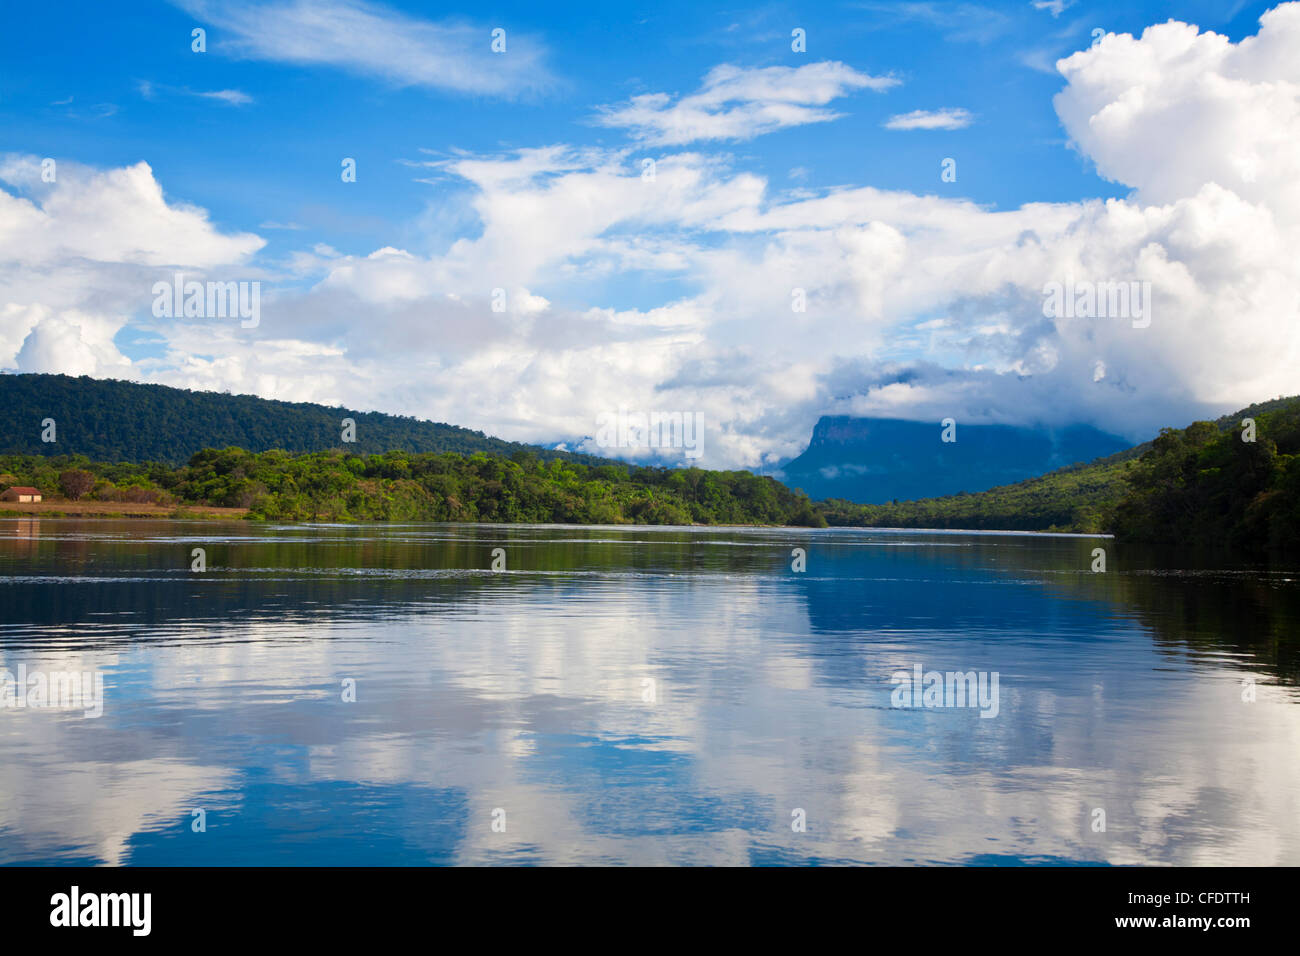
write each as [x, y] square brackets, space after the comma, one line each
[1080, 498]
[1207, 484]
[108, 420]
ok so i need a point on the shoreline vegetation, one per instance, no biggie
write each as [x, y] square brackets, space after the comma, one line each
[59, 508]
[399, 486]
[1212, 483]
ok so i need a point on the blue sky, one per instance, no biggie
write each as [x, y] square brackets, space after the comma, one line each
[276, 159]
[252, 131]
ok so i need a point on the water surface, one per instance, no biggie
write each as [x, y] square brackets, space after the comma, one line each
[639, 695]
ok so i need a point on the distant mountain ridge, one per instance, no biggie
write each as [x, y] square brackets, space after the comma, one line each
[111, 420]
[1200, 485]
[877, 460]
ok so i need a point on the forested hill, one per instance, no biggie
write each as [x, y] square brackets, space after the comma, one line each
[109, 420]
[1218, 483]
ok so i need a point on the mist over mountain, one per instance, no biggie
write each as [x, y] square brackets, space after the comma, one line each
[877, 460]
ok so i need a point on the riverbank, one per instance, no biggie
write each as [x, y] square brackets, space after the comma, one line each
[115, 509]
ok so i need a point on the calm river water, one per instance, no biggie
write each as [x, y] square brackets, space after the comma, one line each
[377, 694]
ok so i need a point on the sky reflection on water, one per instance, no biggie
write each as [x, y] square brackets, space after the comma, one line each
[524, 690]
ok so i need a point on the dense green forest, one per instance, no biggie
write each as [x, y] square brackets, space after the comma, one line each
[1081, 498]
[1205, 484]
[108, 420]
[399, 486]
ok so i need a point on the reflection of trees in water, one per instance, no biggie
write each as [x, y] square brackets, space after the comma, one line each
[1200, 602]
[306, 575]
[987, 585]
[863, 585]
